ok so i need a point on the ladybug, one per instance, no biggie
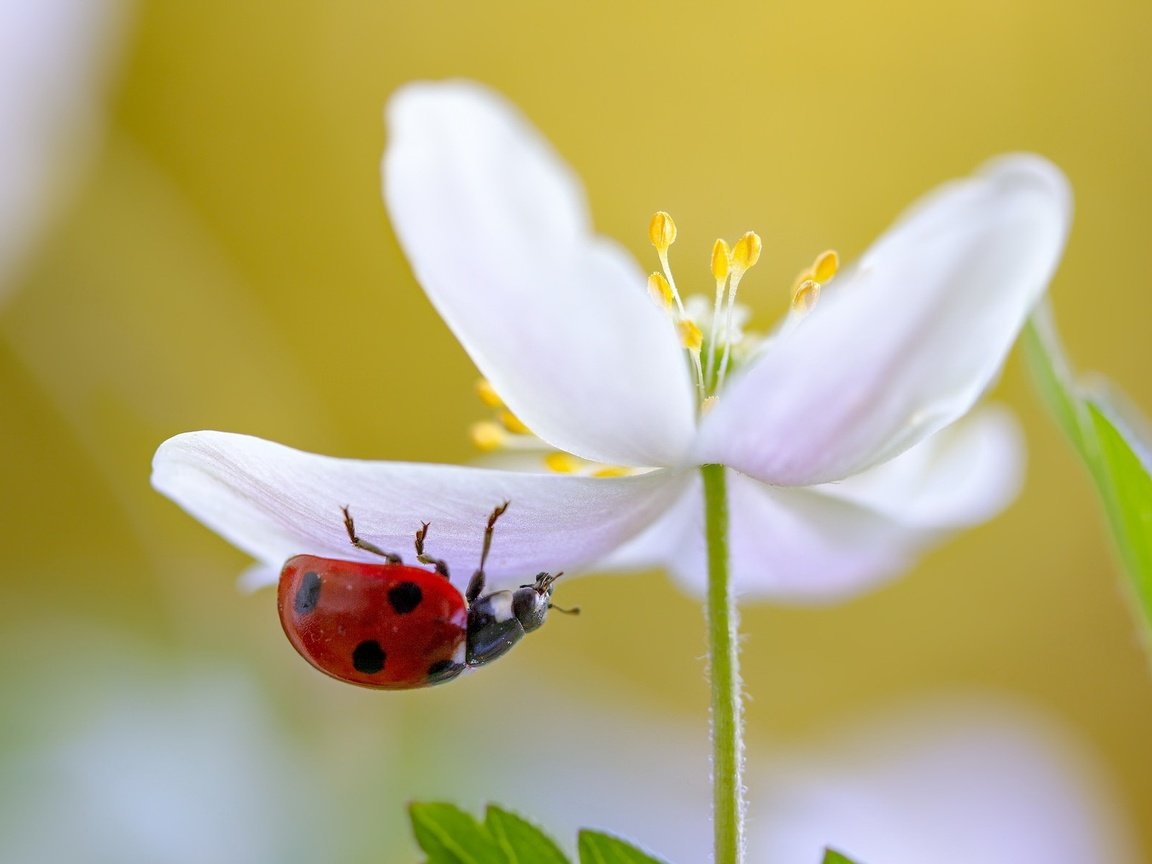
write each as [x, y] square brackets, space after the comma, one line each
[396, 627]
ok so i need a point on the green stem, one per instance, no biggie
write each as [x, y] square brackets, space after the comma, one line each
[724, 663]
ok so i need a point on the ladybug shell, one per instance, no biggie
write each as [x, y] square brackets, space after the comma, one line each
[387, 626]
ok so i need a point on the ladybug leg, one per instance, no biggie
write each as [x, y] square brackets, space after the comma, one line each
[476, 583]
[440, 565]
[392, 557]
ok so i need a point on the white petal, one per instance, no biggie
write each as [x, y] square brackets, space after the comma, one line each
[558, 319]
[55, 62]
[906, 342]
[791, 545]
[963, 475]
[259, 575]
[677, 531]
[957, 780]
[275, 502]
[795, 545]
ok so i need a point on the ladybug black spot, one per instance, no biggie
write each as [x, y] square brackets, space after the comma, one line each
[308, 594]
[405, 597]
[368, 657]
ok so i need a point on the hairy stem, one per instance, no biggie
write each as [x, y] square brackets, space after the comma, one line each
[724, 665]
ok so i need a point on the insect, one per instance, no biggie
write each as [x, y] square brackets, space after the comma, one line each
[396, 627]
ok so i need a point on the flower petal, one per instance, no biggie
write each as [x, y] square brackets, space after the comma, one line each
[56, 60]
[955, 779]
[274, 502]
[963, 475]
[795, 545]
[806, 545]
[558, 319]
[907, 341]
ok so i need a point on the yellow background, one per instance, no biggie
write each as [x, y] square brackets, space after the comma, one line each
[228, 264]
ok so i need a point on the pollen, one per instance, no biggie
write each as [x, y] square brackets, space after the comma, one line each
[661, 231]
[488, 436]
[805, 296]
[822, 269]
[562, 463]
[661, 291]
[690, 335]
[825, 266]
[612, 471]
[721, 259]
[707, 335]
[513, 423]
[746, 252]
[488, 394]
[808, 285]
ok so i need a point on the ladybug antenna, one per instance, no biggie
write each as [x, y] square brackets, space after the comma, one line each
[543, 581]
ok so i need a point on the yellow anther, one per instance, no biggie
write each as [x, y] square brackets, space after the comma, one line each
[487, 436]
[806, 275]
[690, 335]
[708, 404]
[660, 290]
[488, 394]
[746, 252]
[721, 258]
[662, 230]
[825, 266]
[612, 471]
[805, 296]
[513, 423]
[562, 463]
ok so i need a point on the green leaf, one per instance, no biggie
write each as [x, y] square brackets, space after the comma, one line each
[597, 848]
[1112, 441]
[1052, 376]
[450, 836]
[831, 856]
[1127, 494]
[521, 841]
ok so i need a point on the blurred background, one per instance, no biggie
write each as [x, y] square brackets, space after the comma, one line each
[193, 238]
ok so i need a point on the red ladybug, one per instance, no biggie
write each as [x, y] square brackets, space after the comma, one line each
[396, 627]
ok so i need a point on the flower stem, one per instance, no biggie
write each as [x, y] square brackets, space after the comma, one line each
[724, 664]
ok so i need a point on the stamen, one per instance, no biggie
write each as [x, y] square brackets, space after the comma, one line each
[690, 335]
[513, 423]
[661, 231]
[822, 269]
[826, 265]
[721, 260]
[566, 463]
[744, 257]
[746, 252]
[487, 436]
[660, 291]
[805, 296]
[612, 471]
[488, 394]
[562, 463]
[806, 291]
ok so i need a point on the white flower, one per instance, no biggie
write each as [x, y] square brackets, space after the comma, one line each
[56, 57]
[957, 779]
[838, 428]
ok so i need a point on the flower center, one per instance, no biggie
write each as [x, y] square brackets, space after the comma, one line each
[710, 330]
[714, 338]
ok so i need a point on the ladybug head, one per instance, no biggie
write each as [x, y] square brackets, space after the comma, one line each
[530, 603]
